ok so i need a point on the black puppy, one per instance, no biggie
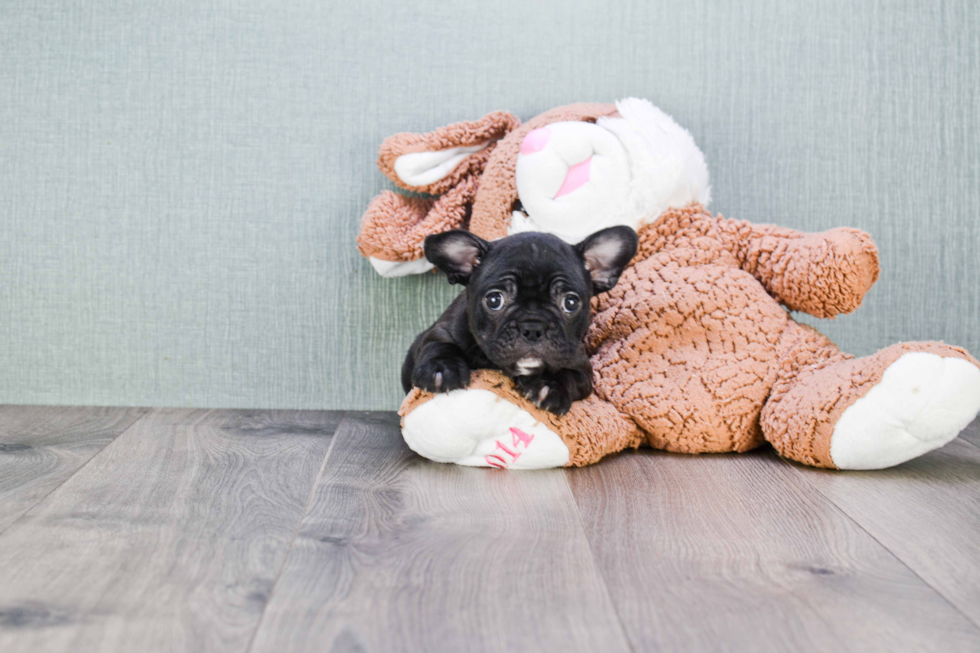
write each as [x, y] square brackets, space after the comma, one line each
[525, 311]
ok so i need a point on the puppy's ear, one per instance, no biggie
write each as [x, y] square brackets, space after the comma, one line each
[606, 253]
[456, 252]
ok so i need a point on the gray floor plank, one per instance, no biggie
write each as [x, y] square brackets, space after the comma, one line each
[41, 446]
[399, 553]
[738, 553]
[926, 512]
[972, 432]
[169, 539]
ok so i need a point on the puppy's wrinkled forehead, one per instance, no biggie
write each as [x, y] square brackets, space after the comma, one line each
[534, 262]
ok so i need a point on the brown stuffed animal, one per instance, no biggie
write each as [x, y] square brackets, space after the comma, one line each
[694, 350]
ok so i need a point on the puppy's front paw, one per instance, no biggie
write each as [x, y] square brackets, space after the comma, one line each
[545, 392]
[441, 375]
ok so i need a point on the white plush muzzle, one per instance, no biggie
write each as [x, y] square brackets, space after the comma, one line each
[575, 178]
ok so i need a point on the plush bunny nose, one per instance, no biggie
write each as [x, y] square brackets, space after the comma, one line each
[535, 141]
[576, 177]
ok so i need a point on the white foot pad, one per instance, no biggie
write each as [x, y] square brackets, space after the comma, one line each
[477, 428]
[921, 403]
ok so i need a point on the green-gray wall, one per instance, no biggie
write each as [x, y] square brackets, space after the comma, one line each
[182, 181]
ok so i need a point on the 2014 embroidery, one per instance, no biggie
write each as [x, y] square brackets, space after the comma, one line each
[520, 441]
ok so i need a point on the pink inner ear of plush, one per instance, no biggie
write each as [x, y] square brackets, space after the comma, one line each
[577, 175]
[535, 141]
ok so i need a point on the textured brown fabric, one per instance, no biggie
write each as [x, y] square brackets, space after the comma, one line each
[686, 341]
[394, 226]
[487, 129]
[498, 192]
[693, 350]
[822, 274]
[591, 430]
[815, 388]
[692, 354]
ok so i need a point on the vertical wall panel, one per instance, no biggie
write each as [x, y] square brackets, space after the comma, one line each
[181, 182]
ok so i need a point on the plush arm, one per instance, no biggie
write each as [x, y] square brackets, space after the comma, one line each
[823, 274]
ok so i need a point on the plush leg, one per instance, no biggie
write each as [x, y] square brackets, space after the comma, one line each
[873, 412]
[490, 425]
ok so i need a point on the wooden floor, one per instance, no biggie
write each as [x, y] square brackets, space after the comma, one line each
[191, 530]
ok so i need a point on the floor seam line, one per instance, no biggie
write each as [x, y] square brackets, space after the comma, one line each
[968, 441]
[295, 535]
[595, 563]
[80, 468]
[894, 555]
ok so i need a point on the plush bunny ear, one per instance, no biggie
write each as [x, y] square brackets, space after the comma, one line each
[394, 227]
[446, 162]
[435, 162]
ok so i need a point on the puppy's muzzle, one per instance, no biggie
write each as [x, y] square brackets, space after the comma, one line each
[532, 330]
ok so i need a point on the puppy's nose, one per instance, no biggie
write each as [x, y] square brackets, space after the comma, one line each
[532, 330]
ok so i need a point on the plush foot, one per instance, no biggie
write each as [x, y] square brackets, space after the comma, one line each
[477, 428]
[921, 403]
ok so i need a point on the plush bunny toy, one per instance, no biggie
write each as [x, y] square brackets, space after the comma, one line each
[693, 351]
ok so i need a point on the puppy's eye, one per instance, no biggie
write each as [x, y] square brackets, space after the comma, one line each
[570, 303]
[494, 300]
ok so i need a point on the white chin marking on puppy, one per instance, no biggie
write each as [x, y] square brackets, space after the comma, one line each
[528, 366]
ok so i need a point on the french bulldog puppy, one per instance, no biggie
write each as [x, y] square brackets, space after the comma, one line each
[525, 311]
